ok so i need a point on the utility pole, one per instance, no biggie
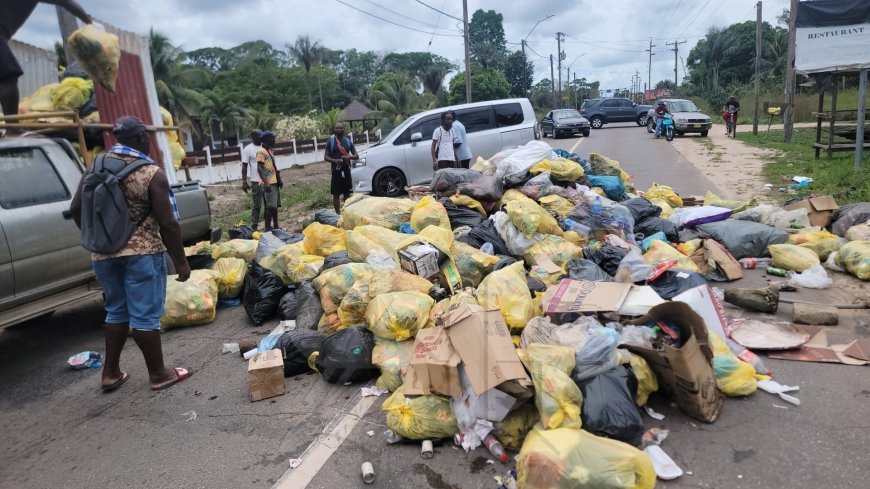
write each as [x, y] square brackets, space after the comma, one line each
[649, 66]
[676, 50]
[636, 83]
[559, 54]
[467, 52]
[553, 83]
[757, 67]
[788, 119]
[525, 66]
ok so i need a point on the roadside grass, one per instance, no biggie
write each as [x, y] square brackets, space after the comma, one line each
[836, 176]
[294, 199]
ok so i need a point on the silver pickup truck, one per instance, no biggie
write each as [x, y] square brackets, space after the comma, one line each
[42, 264]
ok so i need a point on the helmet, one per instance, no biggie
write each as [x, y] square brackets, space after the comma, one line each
[661, 103]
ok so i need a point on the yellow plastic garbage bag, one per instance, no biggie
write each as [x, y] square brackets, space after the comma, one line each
[292, 249]
[231, 276]
[398, 315]
[420, 418]
[854, 256]
[437, 236]
[72, 93]
[557, 396]
[178, 153]
[38, 101]
[293, 269]
[556, 248]
[466, 201]
[659, 251]
[561, 169]
[602, 165]
[192, 302]
[484, 166]
[531, 218]
[442, 307]
[690, 247]
[392, 357]
[368, 238]
[99, 52]
[472, 263]
[323, 240]
[429, 211]
[734, 377]
[236, 248]
[665, 193]
[574, 238]
[860, 232]
[516, 425]
[555, 204]
[735, 205]
[506, 289]
[647, 383]
[667, 210]
[822, 242]
[577, 459]
[793, 257]
[352, 310]
[334, 283]
[380, 211]
[200, 248]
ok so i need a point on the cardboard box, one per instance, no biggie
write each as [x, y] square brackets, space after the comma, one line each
[820, 209]
[483, 342]
[706, 303]
[685, 371]
[420, 259]
[266, 375]
[713, 256]
[570, 299]
[434, 365]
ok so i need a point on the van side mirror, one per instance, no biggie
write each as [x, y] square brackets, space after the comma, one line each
[417, 136]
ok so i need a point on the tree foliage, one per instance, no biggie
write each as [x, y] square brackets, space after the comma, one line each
[519, 72]
[395, 97]
[174, 81]
[486, 84]
[486, 39]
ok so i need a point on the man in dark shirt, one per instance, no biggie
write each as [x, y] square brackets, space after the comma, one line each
[729, 110]
[13, 14]
[340, 152]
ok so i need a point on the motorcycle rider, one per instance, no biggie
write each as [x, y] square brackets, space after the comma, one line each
[732, 106]
[661, 110]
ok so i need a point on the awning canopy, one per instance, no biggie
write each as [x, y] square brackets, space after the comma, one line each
[832, 35]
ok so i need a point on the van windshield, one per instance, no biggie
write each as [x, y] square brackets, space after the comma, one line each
[398, 130]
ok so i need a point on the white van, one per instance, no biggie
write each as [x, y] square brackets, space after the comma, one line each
[404, 156]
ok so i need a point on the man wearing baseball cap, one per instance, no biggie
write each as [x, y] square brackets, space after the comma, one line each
[271, 178]
[134, 277]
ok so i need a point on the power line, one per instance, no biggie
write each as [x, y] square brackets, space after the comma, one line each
[439, 11]
[401, 14]
[533, 51]
[437, 21]
[669, 17]
[395, 23]
[693, 18]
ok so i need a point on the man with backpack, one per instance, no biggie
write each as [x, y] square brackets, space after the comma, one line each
[339, 152]
[125, 210]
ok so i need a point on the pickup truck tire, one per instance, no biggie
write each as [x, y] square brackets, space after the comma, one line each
[597, 122]
[681, 133]
[586, 132]
[641, 120]
[703, 134]
[389, 182]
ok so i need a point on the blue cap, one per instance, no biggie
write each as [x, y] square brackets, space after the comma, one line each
[128, 126]
[267, 135]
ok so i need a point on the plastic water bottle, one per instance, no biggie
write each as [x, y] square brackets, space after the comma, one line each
[495, 448]
[750, 263]
[581, 229]
[748, 356]
[487, 248]
[392, 437]
[597, 206]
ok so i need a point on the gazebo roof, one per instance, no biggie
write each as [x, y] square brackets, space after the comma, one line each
[355, 111]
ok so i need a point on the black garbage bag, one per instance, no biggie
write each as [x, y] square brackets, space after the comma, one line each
[460, 215]
[263, 292]
[582, 269]
[503, 261]
[326, 216]
[675, 281]
[744, 238]
[609, 408]
[335, 259]
[200, 262]
[242, 231]
[535, 285]
[607, 257]
[486, 233]
[474, 184]
[309, 309]
[296, 346]
[850, 215]
[650, 225]
[287, 238]
[290, 302]
[346, 356]
[641, 208]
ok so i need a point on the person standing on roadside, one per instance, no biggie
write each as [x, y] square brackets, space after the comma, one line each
[249, 164]
[463, 151]
[134, 277]
[443, 149]
[271, 178]
[339, 153]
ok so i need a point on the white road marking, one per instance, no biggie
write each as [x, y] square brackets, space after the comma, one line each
[323, 447]
[575, 145]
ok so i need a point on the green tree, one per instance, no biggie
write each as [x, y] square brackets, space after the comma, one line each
[417, 64]
[224, 116]
[357, 70]
[486, 84]
[665, 84]
[542, 94]
[519, 72]
[433, 77]
[173, 80]
[260, 117]
[486, 38]
[395, 98]
[305, 53]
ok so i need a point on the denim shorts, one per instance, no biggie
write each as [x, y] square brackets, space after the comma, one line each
[134, 288]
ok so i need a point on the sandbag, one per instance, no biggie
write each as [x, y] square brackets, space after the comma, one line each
[743, 238]
[231, 276]
[420, 418]
[346, 356]
[192, 302]
[850, 215]
[582, 269]
[451, 181]
[296, 346]
[576, 459]
[398, 315]
[793, 257]
[609, 408]
[323, 240]
[235, 248]
[557, 397]
[562, 169]
[506, 290]
[263, 292]
[854, 256]
[381, 211]
[99, 53]
[663, 192]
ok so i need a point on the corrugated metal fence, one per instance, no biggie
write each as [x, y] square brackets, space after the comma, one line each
[40, 66]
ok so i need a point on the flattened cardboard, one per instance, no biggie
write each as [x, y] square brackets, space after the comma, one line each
[685, 371]
[577, 297]
[706, 303]
[433, 365]
[820, 209]
[483, 342]
[266, 375]
[723, 260]
[818, 350]
[544, 262]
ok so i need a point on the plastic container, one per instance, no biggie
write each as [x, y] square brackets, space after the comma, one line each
[580, 229]
[750, 263]
[495, 448]
[777, 272]
[391, 437]
[748, 356]
[487, 248]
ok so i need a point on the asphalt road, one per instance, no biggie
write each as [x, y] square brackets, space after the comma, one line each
[61, 431]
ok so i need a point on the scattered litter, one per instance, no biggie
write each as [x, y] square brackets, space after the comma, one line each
[371, 391]
[370, 433]
[653, 414]
[665, 467]
[778, 406]
[295, 462]
[85, 359]
[774, 387]
[191, 415]
[230, 348]
[368, 472]
[760, 335]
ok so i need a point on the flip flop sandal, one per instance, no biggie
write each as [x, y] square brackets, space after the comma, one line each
[114, 385]
[182, 374]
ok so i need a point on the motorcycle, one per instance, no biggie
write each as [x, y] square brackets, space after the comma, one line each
[730, 123]
[668, 127]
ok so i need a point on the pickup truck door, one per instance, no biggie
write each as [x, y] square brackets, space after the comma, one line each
[37, 183]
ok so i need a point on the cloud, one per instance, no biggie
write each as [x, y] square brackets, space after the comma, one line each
[613, 34]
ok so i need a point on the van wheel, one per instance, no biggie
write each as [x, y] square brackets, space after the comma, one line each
[389, 182]
[596, 122]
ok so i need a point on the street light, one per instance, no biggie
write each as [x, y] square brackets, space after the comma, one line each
[568, 72]
[523, 45]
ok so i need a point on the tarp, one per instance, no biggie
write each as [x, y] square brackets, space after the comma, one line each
[832, 35]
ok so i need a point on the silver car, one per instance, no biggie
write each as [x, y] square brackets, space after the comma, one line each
[687, 117]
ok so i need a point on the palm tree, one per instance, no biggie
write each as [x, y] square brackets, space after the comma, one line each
[433, 78]
[397, 99]
[306, 53]
[223, 115]
[260, 118]
[172, 79]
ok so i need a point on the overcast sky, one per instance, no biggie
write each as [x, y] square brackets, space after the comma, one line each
[611, 35]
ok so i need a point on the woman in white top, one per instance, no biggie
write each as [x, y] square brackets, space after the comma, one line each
[443, 150]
